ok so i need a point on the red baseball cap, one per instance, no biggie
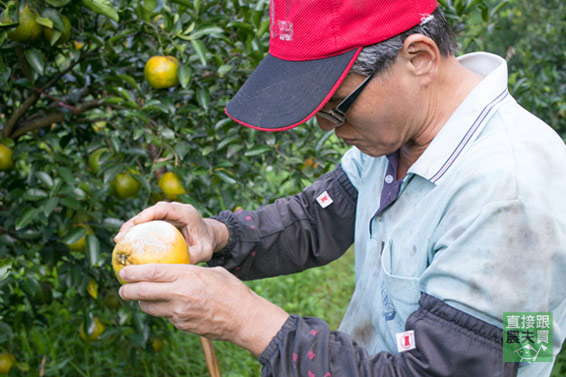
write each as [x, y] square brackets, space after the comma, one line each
[313, 44]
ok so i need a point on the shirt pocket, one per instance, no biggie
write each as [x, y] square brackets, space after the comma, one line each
[400, 293]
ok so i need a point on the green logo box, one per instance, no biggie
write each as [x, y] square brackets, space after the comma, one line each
[527, 337]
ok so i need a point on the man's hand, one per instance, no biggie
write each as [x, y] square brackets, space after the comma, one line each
[204, 236]
[209, 302]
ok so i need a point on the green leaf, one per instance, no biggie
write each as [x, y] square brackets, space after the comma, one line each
[136, 115]
[484, 13]
[155, 105]
[34, 194]
[30, 286]
[129, 79]
[74, 235]
[71, 203]
[126, 94]
[34, 59]
[55, 18]
[57, 3]
[224, 69]
[6, 20]
[6, 330]
[148, 7]
[50, 205]
[113, 100]
[66, 174]
[199, 48]
[57, 184]
[25, 218]
[225, 177]
[257, 150]
[184, 75]
[45, 178]
[112, 223]
[213, 31]
[227, 141]
[103, 7]
[167, 133]
[186, 3]
[6, 239]
[5, 268]
[22, 366]
[93, 250]
[203, 98]
[44, 21]
[498, 8]
[322, 140]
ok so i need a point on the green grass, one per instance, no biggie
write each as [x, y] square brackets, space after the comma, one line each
[322, 292]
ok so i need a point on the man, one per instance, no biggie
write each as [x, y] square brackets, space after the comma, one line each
[451, 193]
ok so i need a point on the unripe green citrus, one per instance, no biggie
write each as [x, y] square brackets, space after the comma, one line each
[28, 29]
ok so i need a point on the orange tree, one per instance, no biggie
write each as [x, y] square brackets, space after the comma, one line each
[85, 139]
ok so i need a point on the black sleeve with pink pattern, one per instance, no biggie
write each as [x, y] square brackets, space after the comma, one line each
[292, 234]
[448, 342]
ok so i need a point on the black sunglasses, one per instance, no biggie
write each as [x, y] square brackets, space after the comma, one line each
[337, 115]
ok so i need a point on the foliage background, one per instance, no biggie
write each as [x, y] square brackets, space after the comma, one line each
[85, 98]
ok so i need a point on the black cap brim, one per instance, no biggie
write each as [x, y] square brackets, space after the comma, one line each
[281, 94]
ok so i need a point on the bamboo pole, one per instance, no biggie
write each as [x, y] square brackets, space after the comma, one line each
[210, 357]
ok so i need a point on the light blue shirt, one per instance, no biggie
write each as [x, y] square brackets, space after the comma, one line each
[479, 221]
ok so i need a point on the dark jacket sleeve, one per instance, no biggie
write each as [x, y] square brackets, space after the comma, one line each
[448, 342]
[293, 233]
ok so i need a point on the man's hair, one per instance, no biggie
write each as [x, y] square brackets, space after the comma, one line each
[378, 57]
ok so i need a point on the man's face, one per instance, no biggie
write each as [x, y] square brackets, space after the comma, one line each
[382, 118]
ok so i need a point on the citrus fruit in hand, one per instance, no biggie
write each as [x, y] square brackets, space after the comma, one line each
[5, 157]
[64, 38]
[125, 185]
[151, 242]
[7, 361]
[28, 29]
[171, 186]
[96, 331]
[161, 71]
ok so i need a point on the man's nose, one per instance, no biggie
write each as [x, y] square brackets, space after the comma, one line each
[325, 124]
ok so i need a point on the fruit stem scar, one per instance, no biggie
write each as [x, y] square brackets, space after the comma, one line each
[122, 258]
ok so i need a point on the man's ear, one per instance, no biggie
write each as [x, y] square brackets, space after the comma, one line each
[422, 56]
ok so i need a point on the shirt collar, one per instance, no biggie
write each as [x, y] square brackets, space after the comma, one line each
[469, 118]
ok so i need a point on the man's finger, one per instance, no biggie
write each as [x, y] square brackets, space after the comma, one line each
[159, 211]
[153, 272]
[123, 230]
[156, 308]
[147, 291]
[174, 213]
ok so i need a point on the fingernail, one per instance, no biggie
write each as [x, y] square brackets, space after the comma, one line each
[123, 273]
[120, 292]
[117, 237]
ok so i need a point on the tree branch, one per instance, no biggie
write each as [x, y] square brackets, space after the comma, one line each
[20, 111]
[38, 123]
[54, 117]
[155, 155]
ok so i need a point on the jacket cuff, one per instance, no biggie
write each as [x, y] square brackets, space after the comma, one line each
[227, 218]
[273, 346]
